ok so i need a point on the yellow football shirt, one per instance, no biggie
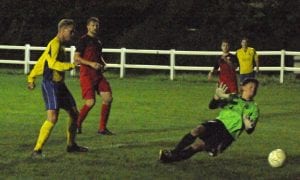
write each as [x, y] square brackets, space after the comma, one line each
[246, 59]
[54, 57]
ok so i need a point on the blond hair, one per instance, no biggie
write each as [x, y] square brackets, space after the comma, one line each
[65, 22]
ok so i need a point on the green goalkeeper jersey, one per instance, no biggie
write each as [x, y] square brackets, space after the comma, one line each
[233, 112]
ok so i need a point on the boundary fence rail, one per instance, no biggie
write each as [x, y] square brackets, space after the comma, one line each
[172, 67]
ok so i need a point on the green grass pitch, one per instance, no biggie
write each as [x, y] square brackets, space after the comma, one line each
[149, 112]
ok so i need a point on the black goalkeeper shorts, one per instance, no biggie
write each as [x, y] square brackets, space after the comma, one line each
[216, 137]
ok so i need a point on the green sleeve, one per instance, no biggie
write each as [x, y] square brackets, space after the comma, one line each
[253, 113]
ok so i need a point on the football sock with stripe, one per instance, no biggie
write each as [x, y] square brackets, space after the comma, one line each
[45, 131]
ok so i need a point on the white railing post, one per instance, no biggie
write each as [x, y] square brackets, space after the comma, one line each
[282, 61]
[72, 53]
[26, 58]
[27, 48]
[172, 64]
[123, 62]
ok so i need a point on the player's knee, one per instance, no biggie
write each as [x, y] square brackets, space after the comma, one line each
[53, 120]
[198, 130]
[52, 116]
[110, 100]
[107, 99]
[90, 103]
[198, 145]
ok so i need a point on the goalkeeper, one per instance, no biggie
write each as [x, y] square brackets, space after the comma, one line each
[238, 113]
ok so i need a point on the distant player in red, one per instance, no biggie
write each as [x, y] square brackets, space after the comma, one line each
[227, 64]
[89, 54]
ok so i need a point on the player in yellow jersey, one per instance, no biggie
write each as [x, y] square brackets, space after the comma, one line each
[52, 65]
[248, 58]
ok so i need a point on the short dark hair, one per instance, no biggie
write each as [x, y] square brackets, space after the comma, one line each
[92, 19]
[248, 80]
[65, 22]
[251, 80]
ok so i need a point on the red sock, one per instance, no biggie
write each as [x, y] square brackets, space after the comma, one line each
[104, 116]
[83, 113]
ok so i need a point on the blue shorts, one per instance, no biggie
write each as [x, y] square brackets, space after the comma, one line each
[57, 95]
[246, 76]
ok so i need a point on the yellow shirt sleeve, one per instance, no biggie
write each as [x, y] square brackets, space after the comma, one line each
[49, 55]
[37, 70]
[51, 58]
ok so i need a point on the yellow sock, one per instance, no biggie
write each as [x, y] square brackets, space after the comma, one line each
[44, 134]
[71, 132]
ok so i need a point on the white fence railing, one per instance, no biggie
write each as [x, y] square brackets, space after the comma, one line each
[172, 64]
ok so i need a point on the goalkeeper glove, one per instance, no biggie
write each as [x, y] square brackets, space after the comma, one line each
[248, 123]
[221, 91]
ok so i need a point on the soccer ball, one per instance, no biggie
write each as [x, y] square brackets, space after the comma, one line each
[277, 158]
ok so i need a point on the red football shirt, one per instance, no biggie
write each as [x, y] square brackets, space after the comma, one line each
[90, 48]
[227, 73]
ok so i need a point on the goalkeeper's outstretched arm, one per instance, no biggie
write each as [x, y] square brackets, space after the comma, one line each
[220, 98]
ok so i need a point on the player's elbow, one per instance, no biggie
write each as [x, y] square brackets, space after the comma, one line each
[213, 104]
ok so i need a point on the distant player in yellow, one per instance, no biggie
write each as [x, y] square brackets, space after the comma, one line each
[248, 58]
[52, 65]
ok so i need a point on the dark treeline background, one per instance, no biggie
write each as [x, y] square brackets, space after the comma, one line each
[158, 24]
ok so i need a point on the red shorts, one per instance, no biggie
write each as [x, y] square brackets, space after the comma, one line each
[232, 86]
[90, 86]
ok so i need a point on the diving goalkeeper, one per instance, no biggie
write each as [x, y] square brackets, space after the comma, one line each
[238, 113]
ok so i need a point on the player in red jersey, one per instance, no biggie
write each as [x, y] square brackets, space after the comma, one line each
[92, 81]
[227, 64]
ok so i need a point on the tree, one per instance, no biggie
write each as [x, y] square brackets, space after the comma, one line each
[158, 24]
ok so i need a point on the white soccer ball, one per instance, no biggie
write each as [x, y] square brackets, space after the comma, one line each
[277, 158]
